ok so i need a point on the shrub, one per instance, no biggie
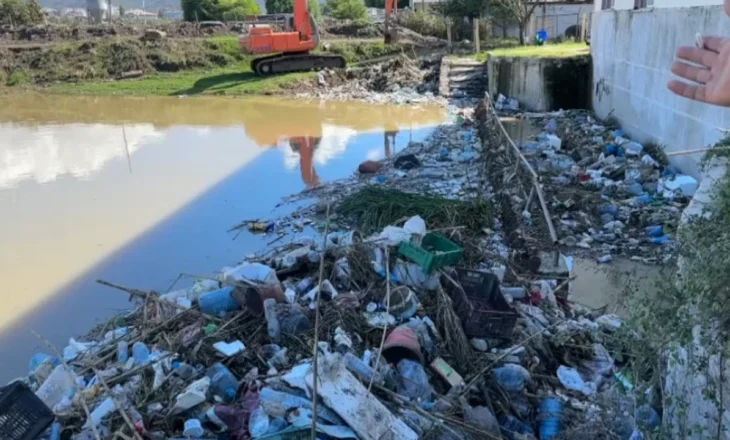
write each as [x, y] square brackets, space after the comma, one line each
[16, 12]
[424, 23]
[17, 78]
[347, 9]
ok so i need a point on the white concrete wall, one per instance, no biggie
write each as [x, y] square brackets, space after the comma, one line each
[629, 4]
[632, 54]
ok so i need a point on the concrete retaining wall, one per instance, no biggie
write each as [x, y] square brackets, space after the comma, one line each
[542, 84]
[632, 54]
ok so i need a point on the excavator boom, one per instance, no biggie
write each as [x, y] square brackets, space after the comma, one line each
[289, 50]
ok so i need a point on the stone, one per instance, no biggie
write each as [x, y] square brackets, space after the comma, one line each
[370, 167]
[154, 35]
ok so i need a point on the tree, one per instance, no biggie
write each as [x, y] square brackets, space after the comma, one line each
[279, 6]
[315, 10]
[347, 9]
[518, 10]
[234, 10]
[199, 10]
[35, 12]
[17, 13]
[121, 11]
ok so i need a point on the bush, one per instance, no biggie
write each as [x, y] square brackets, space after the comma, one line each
[17, 78]
[347, 9]
[424, 23]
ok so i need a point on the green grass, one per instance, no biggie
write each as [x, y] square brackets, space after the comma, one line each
[236, 79]
[557, 50]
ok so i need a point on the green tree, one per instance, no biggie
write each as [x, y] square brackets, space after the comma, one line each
[18, 13]
[199, 10]
[35, 12]
[347, 9]
[279, 7]
[230, 10]
[315, 10]
[121, 11]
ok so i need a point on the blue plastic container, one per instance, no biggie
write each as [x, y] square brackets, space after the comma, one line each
[222, 382]
[218, 302]
[551, 411]
[140, 353]
[663, 239]
[654, 230]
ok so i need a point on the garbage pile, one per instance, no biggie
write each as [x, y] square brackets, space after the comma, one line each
[394, 329]
[400, 79]
[609, 195]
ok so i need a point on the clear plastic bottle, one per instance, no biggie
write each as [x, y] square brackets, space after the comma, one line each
[122, 352]
[185, 371]
[222, 382]
[59, 384]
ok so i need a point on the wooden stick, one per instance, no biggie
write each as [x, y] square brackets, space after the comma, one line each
[387, 313]
[315, 397]
[78, 391]
[697, 150]
[535, 177]
[118, 405]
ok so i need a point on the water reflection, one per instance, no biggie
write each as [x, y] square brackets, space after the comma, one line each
[79, 203]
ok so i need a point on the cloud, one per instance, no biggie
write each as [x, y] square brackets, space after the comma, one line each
[46, 153]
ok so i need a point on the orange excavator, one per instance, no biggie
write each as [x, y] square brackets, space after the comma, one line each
[291, 48]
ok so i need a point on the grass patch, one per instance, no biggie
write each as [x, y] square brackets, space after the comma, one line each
[557, 50]
[374, 207]
[237, 79]
[358, 52]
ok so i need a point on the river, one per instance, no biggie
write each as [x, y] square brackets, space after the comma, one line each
[139, 190]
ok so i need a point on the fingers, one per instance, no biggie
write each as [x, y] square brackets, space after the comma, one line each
[696, 55]
[714, 43]
[690, 72]
[688, 90]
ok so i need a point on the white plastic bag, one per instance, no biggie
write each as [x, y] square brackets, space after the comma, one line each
[255, 272]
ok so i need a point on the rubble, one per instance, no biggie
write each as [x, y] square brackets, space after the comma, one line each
[400, 80]
[385, 332]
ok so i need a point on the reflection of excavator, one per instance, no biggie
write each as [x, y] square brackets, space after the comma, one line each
[291, 48]
[305, 146]
[391, 35]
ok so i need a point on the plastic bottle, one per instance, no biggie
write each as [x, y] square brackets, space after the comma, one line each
[140, 353]
[55, 431]
[37, 359]
[646, 417]
[218, 302]
[551, 411]
[222, 382]
[272, 321]
[122, 352]
[660, 240]
[414, 381]
[511, 425]
[360, 368]
[185, 371]
[654, 230]
[258, 422]
[60, 384]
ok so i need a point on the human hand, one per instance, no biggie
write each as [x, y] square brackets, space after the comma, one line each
[711, 75]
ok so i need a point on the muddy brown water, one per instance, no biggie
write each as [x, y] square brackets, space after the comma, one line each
[137, 191]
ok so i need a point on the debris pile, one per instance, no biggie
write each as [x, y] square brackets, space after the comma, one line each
[400, 79]
[412, 322]
[608, 195]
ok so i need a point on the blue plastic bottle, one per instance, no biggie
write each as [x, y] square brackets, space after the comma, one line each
[140, 353]
[218, 302]
[551, 411]
[663, 239]
[37, 359]
[222, 382]
[654, 230]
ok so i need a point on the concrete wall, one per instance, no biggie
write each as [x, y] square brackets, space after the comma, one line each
[629, 4]
[542, 84]
[632, 54]
[553, 18]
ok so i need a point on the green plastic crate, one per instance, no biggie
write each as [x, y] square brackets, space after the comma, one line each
[444, 252]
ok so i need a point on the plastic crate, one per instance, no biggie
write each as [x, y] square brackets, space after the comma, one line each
[445, 252]
[23, 416]
[480, 305]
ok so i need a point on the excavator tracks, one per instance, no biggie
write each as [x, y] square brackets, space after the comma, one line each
[282, 63]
